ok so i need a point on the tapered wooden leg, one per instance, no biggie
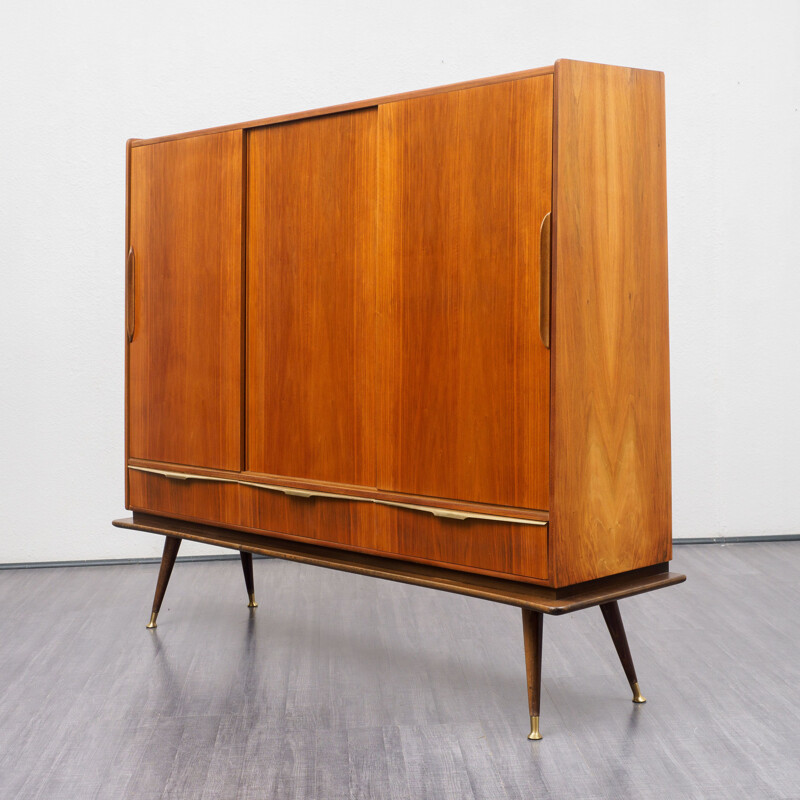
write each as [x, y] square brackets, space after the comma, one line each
[617, 630]
[532, 631]
[247, 568]
[171, 545]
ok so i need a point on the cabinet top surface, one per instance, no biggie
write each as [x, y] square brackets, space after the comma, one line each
[352, 106]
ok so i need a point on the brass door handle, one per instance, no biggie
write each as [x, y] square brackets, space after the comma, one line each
[544, 280]
[130, 295]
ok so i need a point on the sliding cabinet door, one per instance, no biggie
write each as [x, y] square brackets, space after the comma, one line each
[185, 290]
[311, 221]
[464, 182]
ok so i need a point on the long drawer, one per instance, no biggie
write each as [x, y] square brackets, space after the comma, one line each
[475, 544]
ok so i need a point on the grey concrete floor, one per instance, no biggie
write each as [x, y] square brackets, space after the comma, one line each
[342, 686]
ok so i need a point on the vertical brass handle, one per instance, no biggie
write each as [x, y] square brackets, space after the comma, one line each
[544, 280]
[130, 295]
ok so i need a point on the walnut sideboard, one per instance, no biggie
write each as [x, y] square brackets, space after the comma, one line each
[422, 337]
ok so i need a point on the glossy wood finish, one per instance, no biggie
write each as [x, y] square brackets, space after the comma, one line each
[342, 522]
[492, 548]
[532, 625]
[498, 590]
[347, 489]
[185, 373]
[463, 377]
[610, 429]
[395, 285]
[477, 545]
[613, 620]
[200, 500]
[319, 495]
[171, 546]
[311, 298]
[353, 106]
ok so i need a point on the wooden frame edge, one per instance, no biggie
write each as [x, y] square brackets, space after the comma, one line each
[351, 106]
[128, 158]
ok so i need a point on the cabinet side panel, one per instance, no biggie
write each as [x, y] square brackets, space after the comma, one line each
[610, 426]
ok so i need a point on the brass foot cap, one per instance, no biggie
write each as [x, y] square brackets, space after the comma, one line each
[534, 735]
[637, 694]
[152, 623]
[252, 599]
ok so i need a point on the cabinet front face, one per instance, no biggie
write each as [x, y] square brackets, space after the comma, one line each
[184, 384]
[464, 182]
[311, 298]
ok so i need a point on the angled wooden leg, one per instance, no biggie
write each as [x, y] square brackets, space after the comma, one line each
[171, 545]
[247, 568]
[617, 630]
[532, 631]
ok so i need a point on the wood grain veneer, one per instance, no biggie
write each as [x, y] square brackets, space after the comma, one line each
[184, 373]
[484, 546]
[492, 547]
[345, 522]
[463, 377]
[610, 424]
[206, 500]
[344, 489]
[311, 298]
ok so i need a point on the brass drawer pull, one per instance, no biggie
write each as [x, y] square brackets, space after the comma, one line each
[306, 494]
[294, 492]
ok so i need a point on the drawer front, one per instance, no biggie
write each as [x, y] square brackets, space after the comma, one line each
[332, 521]
[195, 499]
[488, 546]
[503, 548]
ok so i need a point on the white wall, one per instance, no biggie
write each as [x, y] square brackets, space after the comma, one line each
[79, 78]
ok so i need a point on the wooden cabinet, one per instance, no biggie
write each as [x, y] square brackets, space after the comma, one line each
[430, 326]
